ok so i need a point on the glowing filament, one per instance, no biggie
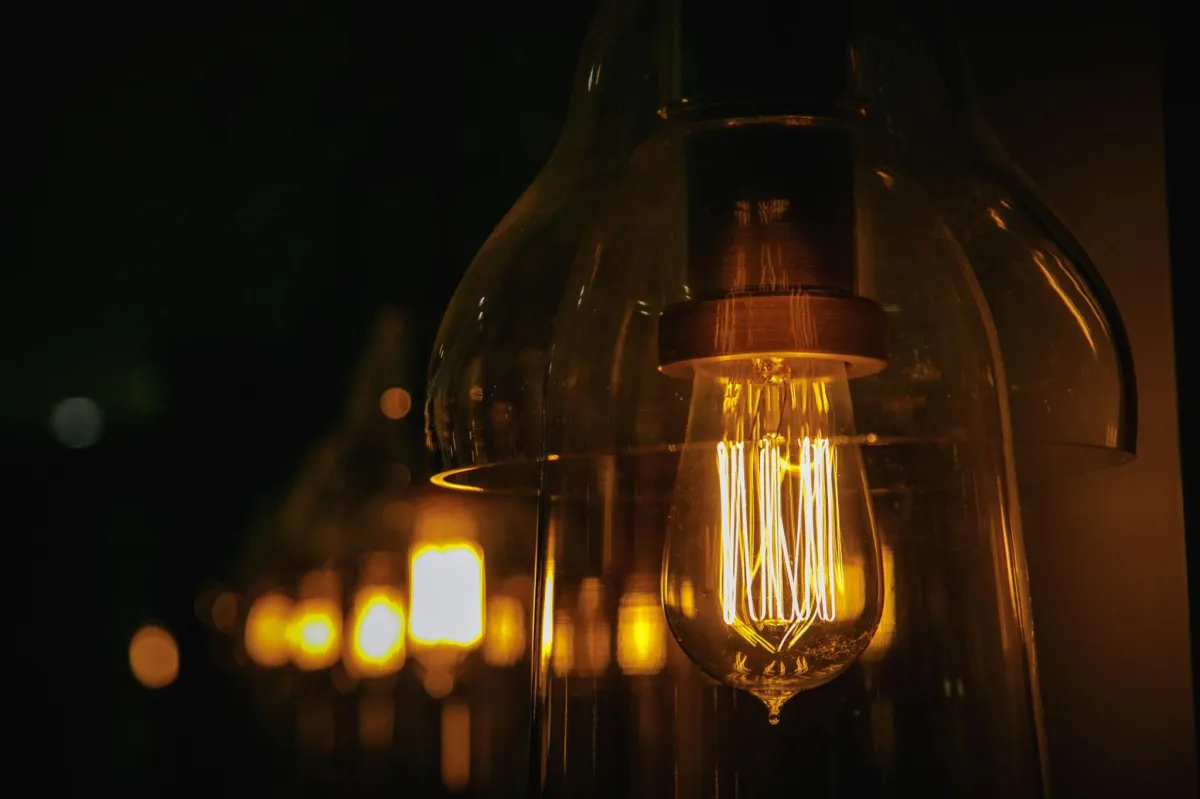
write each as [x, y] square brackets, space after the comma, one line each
[780, 549]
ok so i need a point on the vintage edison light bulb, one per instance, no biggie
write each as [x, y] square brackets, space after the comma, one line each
[771, 523]
[809, 312]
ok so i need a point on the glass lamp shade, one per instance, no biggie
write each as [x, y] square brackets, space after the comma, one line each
[815, 332]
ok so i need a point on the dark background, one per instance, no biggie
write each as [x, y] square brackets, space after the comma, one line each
[217, 202]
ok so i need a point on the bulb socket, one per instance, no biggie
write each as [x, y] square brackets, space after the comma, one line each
[771, 251]
[770, 208]
[818, 328]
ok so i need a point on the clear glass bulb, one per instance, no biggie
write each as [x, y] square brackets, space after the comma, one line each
[771, 529]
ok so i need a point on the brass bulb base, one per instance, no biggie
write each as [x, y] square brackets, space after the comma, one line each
[794, 325]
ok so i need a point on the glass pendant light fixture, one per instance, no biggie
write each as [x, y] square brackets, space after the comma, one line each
[810, 332]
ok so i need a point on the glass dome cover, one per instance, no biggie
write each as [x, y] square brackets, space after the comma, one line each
[896, 81]
[782, 330]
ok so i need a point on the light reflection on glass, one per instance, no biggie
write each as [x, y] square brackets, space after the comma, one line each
[456, 745]
[887, 622]
[641, 633]
[376, 720]
[505, 640]
[562, 657]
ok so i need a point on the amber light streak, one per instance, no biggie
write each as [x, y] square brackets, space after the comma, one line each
[882, 641]
[377, 632]
[781, 558]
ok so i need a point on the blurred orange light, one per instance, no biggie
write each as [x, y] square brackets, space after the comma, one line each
[377, 632]
[395, 403]
[505, 640]
[154, 657]
[314, 634]
[266, 630]
[641, 634]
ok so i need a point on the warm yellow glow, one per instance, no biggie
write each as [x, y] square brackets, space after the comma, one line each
[772, 525]
[781, 557]
[377, 632]
[456, 745]
[641, 634]
[266, 630]
[314, 634]
[505, 641]
[446, 600]
[154, 657]
[562, 658]
[887, 624]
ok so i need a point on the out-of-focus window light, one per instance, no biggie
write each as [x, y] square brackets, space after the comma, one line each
[266, 629]
[505, 641]
[446, 599]
[641, 633]
[377, 632]
[456, 745]
[154, 657]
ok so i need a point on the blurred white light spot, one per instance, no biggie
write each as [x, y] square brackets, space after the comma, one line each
[77, 422]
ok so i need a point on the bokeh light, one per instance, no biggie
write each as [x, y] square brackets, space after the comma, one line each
[504, 643]
[641, 633]
[314, 634]
[395, 403]
[77, 422]
[446, 603]
[154, 657]
[266, 630]
[377, 632]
